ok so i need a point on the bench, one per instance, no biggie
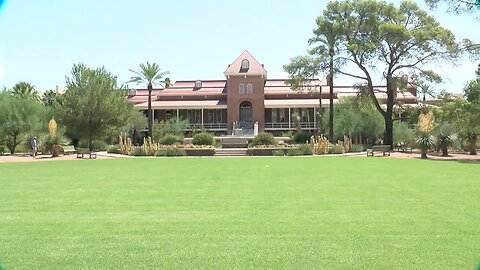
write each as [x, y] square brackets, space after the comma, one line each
[68, 149]
[81, 152]
[384, 149]
[404, 148]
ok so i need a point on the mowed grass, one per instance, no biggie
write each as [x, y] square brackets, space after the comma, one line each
[240, 213]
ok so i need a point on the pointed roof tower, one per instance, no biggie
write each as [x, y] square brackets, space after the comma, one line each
[245, 64]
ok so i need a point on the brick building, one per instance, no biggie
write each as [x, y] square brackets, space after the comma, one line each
[246, 99]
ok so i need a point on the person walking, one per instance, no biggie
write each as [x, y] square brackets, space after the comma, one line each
[33, 145]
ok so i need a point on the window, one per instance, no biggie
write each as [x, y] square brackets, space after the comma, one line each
[245, 65]
[241, 89]
[198, 84]
[274, 115]
[215, 116]
[249, 89]
[194, 116]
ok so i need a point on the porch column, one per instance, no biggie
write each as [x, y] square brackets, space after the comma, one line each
[202, 118]
[178, 114]
[314, 117]
[289, 118]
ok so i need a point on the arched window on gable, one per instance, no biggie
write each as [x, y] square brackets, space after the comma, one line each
[249, 89]
[241, 89]
[245, 65]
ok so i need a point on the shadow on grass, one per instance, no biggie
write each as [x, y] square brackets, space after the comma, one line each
[459, 160]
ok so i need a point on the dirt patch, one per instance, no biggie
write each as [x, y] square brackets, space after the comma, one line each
[432, 155]
[38, 158]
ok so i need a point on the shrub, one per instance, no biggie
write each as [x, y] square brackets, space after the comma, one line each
[263, 138]
[337, 149]
[302, 137]
[294, 152]
[97, 145]
[203, 138]
[306, 149]
[114, 149]
[175, 152]
[402, 134]
[356, 148]
[170, 139]
[278, 153]
[137, 152]
[288, 134]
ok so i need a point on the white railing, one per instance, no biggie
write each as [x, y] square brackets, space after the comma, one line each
[283, 125]
[209, 126]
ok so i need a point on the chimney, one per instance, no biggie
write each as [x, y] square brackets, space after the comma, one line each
[167, 82]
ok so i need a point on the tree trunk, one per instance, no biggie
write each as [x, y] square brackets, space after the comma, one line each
[150, 120]
[472, 146]
[330, 116]
[12, 145]
[90, 143]
[389, 112]
[330, 84]
[424, 152]
[444, 150]
[320, 113]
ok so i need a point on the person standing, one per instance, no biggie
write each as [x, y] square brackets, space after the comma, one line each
[33, 145]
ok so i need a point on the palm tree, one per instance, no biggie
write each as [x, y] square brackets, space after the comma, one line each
[326, 36]
[24, 90]
[150, 75]
[50, 98]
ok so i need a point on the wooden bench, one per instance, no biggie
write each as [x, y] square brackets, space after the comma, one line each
[69, 149]
[384, 149]
[81, 152]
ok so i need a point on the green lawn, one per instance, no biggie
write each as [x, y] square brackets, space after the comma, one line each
[204, 213]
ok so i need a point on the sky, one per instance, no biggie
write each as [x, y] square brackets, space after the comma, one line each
[41, 40]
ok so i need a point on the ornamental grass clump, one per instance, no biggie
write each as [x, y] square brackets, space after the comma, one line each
[125, 144]
[425, 127]
[149, 147]
[320, 146]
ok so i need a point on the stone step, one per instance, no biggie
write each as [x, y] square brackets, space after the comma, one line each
[231, 152]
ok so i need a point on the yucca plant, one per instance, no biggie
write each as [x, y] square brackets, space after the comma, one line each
[445, 136]
[425, 127]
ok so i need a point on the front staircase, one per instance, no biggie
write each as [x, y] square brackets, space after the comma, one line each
[231, 152]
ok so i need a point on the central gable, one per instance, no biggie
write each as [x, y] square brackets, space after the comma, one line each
[245, 65]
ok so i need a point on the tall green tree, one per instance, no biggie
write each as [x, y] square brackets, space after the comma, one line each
[149, 74]
[456, 6]
[24, 90]
[357, 116]
[320, 59]
[465, 117]
[375, 34]
[94, 105]
[20, 118]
